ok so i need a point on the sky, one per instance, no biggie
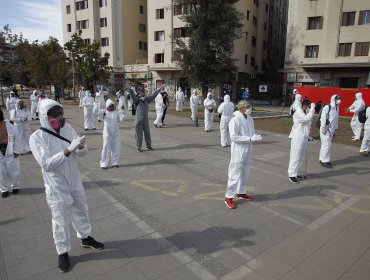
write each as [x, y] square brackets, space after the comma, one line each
[35, 19]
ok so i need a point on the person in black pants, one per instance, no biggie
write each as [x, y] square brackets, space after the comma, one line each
[166, 102]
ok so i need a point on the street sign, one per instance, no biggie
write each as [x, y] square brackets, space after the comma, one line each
[263, 88]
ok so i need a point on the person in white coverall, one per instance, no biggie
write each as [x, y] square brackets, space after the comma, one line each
[299, 135]
[159, 107]
[365, 146]
[9, 157]
[209, 108]
[121, 96]
[11, 101]
[328, 126]
[226, 109]
[55, 147]
[89, 117]
[81, 95]
[20, 116]
[99, 99]
[355, 108]
[194, 103]
[34, 100]
[242, 134]
[180, 98]
[111, 136]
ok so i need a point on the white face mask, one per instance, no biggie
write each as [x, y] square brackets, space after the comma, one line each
[248, 111]
[337, 102]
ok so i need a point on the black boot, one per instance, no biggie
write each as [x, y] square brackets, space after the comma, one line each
[64, 264]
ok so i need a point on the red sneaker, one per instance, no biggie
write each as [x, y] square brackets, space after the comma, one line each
[230, 203]
[244, 196]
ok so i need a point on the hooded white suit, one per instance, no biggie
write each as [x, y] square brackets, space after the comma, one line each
[88, 104]
[99, 99]
[34, 100]
[11, 102]
[20, 118]
[194, 102]
[159, 107]
[209, 104]
[111, 137]
[81, 95]
[65, 193]
[226, 109]
[355, 108]
[180, 98]
[365, 146]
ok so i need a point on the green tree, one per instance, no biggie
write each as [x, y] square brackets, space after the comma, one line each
[211, 29]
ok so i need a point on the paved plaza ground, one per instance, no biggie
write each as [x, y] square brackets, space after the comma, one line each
[161, 214]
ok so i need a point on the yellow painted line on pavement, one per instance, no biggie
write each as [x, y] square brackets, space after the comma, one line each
[151, 185]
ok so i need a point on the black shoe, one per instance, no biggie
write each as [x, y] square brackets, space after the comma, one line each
[149, 149]
[86, 129]
[326, 164]
[90, 242]
[301, 177]
[138, 150]
[4, 194]
[99, 120]
[293, 179]
[156, 126]
[114, 166]
[104, 168]
[64, 264]
[15, 191]
[94, 128]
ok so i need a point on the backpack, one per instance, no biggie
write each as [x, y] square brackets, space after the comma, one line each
[318, 122]
[362, 115]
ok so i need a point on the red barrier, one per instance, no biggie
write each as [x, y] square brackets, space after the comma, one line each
[324, 94]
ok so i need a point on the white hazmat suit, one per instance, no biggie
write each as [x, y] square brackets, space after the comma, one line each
[11, 101]
[99, 99]
[209, 107]
[365, 146]
[111, 137]
[121, 96]
[65, 193]
[20, 117]
[180, 98]
[88, 104]
[226, 109]
[194, 103]
[355, 108]
[159, 107]
[34, 101]
[81, 95]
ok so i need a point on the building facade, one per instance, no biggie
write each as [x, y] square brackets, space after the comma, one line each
[328, 44]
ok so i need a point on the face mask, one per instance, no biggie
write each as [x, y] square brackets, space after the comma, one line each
[21, 106]
[337, 102]
[210, 97]
[57, 122]
[110, 108]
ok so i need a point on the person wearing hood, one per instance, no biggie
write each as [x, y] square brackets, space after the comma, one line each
[159, 107]
[299, 136]
[226, 109]
[328, 126]
[209, 107]
[180, 98]
[20, 117]
[10, 149]
[121, 96]
[365, 146]
[141, 103]
[194, 103]
[11, 101]
[242, 135]
[111, 136]
[99, 100]
[55, 147]
[89, 118]
[357, 106]
[81, 95]
[34, 100]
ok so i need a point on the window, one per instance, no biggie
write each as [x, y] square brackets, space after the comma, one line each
[263, 64]
[348, 18]
[314, 23]
[362, 49]
[143, 46]
[141, 9]
[246, 36]
[159, 36]
[159, 58]
[246, 59]
[312, 51]
[344, 49]
[254, 21]
[87, 41]
[105, 42]
[68, 9]
[264, 45]
[69, 27]
[102, 3]
[81, 5]
[177, 56]
[142, 27]
[266, 8]
[83, 24]
[256, 2]
[364, 17]
[177, 10]
[180, 32]
[103, 22]
[265, 27]
[254, 41]
[159, 13]
[247, 14]
[253, 61]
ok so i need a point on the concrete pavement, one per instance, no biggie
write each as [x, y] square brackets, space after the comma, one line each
[161, 214]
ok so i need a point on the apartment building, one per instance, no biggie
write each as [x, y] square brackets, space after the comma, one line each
[250, 51]
[328, 43]
[120, 26]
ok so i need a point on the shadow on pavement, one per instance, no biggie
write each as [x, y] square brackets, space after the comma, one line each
[350, 160]
[186, 146]
[2, 223]
[158, 162]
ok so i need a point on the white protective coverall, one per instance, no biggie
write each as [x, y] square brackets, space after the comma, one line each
[226, 109]
[81, 95]
[210, 105]
[180, 98]
[299, 138]
[88, 104]
[34, 101]
[365, 146]
[194, 103]
[11, 102]
[121, 96]
[326, 138]
[99, 99]
[355, 108]
[65, 193]
[159, 107]
[111, 137]
[9, 165]
[20, 118]
[242, 135]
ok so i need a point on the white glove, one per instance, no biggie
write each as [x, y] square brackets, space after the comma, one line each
[323, 130]
[256, 138]
[74, 145]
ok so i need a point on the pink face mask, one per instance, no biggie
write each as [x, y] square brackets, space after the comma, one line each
[110, 108]
[57, 123]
